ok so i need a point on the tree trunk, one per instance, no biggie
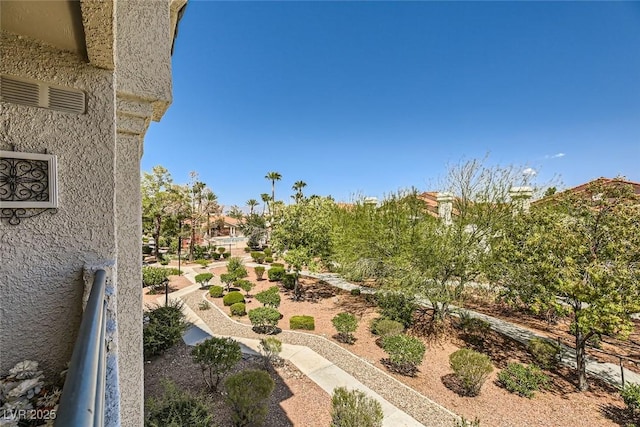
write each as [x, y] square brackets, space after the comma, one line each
[192, 240]
[581, 364]
[156, 237]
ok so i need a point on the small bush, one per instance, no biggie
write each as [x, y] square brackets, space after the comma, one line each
[216, 291]
[356, 292]
[346, 324]
[277, 264]
[267, 252]
[631, 396]
[269, 259]
[176, 408]
[259, 270]
[164, 261]
[226, 255]
[523, 380]
[397, 306]
[471, 368]
[354, 409]
[173, 271]
[475, 330]
[270, 297]
[232, 298]
[546, 353]
[245, 285]
[302, 322]
[289, 281]
[238, 309]
[405, 353]
[203, 278]
[271, 348]
[276, 274]
[221, 249]
[163, 328]
[247, 394]
[467, 423]
[216, 256]
[247, 249]
[203, 305]
[203, 262]
[386, 327]
[216, 357]
[154, 277]
[264, 319]
[146, 250]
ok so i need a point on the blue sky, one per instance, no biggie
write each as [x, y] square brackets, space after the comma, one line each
[371, 97]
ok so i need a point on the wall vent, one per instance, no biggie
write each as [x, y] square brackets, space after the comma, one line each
[38, 94]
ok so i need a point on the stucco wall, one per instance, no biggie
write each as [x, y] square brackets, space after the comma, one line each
[42, 258]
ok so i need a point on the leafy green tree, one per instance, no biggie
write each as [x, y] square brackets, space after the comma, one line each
[580, 252]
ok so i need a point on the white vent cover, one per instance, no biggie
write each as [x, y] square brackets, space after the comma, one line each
[37, 94]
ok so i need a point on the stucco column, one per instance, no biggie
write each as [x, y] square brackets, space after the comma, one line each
[521, 199]
[445, 207]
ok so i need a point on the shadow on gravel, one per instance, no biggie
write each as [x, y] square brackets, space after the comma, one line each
[620, 416]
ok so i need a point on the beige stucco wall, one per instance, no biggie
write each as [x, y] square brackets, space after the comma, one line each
[42, 259]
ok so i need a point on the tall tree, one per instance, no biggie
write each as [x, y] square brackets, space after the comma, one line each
[265, 199]
[252, 203]
[297, 187]
[578, 252]
[273, 177]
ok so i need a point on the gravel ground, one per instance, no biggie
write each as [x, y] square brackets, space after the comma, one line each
[418, 406]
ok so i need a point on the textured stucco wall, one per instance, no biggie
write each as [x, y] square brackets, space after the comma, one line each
[42, 259]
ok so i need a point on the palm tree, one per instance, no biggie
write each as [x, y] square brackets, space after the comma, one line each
[252, 203]
[273, 177]
[265, 199]
[297, 187]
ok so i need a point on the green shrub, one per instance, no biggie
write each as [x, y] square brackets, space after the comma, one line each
[276, 274]
[232, 298]
[269, 297]
[405, 353]
[216, 357]
[289, 281]
[271, 348]
[258, 257]
[346, 324]
[164, 261]
[173, 271]
[302, 322]
[259, 270]
[238, 309]
[631, 396]
[474, 329]
[386, 327]
[264, 319]
[471, 368]
[235, 267]
[203, 305]
[397, 306]
[546, 353]
[247, 394]
[523, 380]
[199, 252]
[247, 249]
[216, 256]
[463, 422]
[269, 259]
[267, 252]
[277, 264]
[154, 277]
[245, 285]
[176, 408]
[226, 255]
[354, 409]
[163, 328]
[146, 250]
[203, 278]
[356, 292]
[203, 262]
[216, 291]
[221, 249]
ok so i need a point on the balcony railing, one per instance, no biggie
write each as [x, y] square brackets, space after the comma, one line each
[82, 401]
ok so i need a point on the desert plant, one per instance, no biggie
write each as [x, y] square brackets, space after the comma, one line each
[232, 298]
[227, 279]
[226, 255]
[146, 250]
[353, 408]
[216, 256]
[221, 249]
[277, 264]
[397, 306]
[271, 348]
[276, 274]
[355, 292]
[631, 395]
[264, 319]
[176, 408]
[269, 259]
[405, 353]
[216, 291]
[259, 270]
[245, 285]
[247, 394]
[463, 422]
[302, 322]
[216, 357]
[201, 261]
[172, 271]
[346, 324]
[474, 329]
[203, 305]
[289, 281]
[386, 327]
[471, 368]
[522, 379]
[156, 277]
[546, 353]
[238, 309]
[247, 249]
[203, 279]
[269, 297]
[163, 327]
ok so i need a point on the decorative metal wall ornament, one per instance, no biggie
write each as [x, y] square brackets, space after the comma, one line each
[28, 185]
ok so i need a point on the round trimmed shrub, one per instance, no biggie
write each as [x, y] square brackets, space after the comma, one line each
[405, 353]
[269, 297]
[247, 394]
[346, 324]
[386, 327]
[259, 270]
[471, 368]
[264, 319]
[276, 274]
[232, 298]
[289, 281]
[238, 309]
[216, 291]
[267, 252]
[546, 353]
[397, 306]
[216, 256]
[216, 357]
[163, 328]
[522, 379]
[269, 259]
[354, 409]
[203, 278]
[221, 249]
[277, 264]
[226, 255]
[302, 322]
